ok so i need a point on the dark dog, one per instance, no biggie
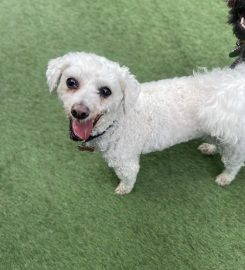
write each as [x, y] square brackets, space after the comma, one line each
[237, 20]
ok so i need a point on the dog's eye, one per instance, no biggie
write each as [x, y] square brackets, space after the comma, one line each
[105, 91]
[72, 83]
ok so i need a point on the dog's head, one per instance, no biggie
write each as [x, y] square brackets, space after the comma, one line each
[237, 17]
[94, 90]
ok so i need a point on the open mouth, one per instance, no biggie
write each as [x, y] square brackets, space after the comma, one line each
[81, 130]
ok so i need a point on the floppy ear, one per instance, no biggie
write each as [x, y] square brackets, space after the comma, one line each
[130, 88]
[54, 71]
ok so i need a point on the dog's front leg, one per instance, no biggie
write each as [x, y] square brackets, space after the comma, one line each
[127, 172]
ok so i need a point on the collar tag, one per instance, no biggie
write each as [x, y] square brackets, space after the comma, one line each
[84, 148]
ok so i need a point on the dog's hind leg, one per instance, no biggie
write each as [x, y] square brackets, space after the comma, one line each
[233, 158]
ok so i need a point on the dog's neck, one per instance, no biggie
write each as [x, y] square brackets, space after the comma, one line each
[92, 137]
[93, 142]
[85, 147]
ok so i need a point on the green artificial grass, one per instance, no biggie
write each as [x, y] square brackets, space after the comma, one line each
[57, 206]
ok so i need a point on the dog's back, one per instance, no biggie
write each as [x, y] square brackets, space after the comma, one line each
[222, 113]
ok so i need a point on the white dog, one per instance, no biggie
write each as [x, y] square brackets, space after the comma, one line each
[112, 112]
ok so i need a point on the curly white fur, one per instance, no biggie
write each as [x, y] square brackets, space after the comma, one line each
[156, 115]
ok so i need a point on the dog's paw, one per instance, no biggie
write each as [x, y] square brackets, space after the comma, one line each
[223, 179]
[207, 149]
[123, 189]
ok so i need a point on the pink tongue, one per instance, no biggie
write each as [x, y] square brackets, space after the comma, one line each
[82, 129]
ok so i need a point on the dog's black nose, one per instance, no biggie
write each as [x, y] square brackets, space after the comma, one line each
[80, 111]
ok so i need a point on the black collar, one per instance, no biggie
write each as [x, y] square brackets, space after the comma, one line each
[90, 138]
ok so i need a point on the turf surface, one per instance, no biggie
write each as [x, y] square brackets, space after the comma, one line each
[57, 206]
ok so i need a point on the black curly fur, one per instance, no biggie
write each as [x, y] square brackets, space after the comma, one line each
[237, 11]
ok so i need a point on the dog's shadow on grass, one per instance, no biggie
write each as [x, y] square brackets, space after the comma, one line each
[179, 169]
[176, 168]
